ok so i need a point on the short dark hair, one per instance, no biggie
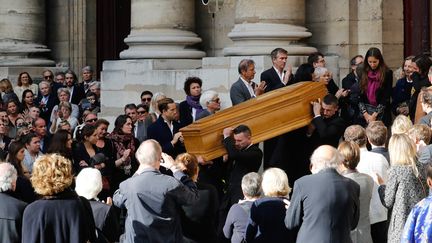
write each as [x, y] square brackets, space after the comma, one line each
[276, 51]
[26, 139]
[101, 121]
[144, 106]
[146, 92]
[304, 72]
[330, 99]
[163, 104]
[244, 65]
[313, 57]
[353, 60]
[189, 81]
[242, 129]
[130, 106]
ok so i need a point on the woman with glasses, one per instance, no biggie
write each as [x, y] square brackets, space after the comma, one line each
[143, 122]
[64, 113]
[25, 82]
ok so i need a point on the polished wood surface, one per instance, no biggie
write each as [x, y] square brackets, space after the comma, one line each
[269, 115]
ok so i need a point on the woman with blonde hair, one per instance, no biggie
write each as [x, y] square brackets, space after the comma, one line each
[59, 208]
[267, 214]
[351, 157]
[401, 125]
[199, 219]
[404, 187]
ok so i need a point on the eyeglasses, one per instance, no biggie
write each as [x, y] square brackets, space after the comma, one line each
[141, 112]
[47, 77]
[146, 99]
[217, 100]
[92, 120]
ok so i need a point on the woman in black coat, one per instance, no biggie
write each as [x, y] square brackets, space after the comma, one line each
[190, 108]
[60, 216]
[375, 89]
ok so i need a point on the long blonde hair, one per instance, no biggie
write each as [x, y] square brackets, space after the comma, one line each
[403, 151]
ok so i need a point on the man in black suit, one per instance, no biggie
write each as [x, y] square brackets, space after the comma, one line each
[244, 156]
[165, 129]
[12, 209]
[76, 90]
[276, 77]
[327, 127]
[324, 206]
[244, 88]
[46, 100]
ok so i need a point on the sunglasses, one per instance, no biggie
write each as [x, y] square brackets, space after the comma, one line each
[146, 99]
[47, 77]
[141, 112]
[92, 120]
[215, 100]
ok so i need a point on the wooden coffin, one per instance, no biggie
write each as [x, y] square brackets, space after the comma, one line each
[269, 115]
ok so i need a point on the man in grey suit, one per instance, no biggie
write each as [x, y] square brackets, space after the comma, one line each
[325, 205]
[153, 199]
[244, 88]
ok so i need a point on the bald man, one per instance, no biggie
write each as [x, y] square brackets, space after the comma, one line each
[325, 205]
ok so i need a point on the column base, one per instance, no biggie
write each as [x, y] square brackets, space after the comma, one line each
[162, 44]
[262, 38]
[23, 54]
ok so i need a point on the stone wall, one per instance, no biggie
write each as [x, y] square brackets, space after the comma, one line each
[71, 32]
[346, 28]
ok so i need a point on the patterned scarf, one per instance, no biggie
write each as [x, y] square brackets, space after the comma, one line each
[372, 86]
[193, 101]
[121, 143]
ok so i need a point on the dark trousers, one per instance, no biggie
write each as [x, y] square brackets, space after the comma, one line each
[379, 232]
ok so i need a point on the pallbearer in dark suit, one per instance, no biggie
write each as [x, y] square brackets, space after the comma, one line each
[276, 77]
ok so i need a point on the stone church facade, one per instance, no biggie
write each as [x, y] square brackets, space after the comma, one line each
[152, 45]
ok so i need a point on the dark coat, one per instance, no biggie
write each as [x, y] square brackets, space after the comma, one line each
[11, 212]
[185, 111]
[46, 220]
[244, 161]
[266, 221]
[327, 131]
[272, 80]
[418, 83]
[106, 220]
[160, 132]
[324, 208]
[46, 110]
[78, 94]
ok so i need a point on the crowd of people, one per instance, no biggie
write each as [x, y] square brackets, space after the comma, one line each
[359, 172]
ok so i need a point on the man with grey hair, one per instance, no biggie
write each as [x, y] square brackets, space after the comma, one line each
[87, 77]
[210, 101]
[11, 209]
[238, 215]
[244, 88]
[153, 199]
[325, 205]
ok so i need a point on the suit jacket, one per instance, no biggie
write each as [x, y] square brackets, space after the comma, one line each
[11, 212]
[152, 201]
[78, 94]
[327, 131]
[142, 127]
[239, 92]
[383, 151]
[160, 132]
[324, 207]
[49, 106]
[106, 220]
[272, 80]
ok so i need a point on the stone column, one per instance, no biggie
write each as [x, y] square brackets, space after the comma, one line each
[261, 26]
[22, 33]
[162, 29]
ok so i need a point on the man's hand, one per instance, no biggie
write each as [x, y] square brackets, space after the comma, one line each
[227, 132]
[342, 93]
[201, 161]
[288, 73]
[259, 89]
[176, 138]
[316, 107]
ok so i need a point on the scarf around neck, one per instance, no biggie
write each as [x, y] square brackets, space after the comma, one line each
[193, 101]
[372, 86]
